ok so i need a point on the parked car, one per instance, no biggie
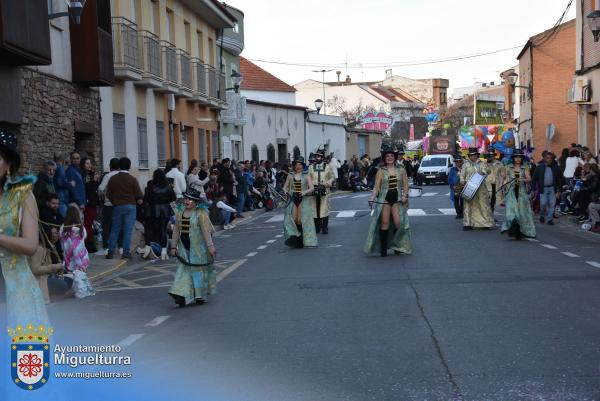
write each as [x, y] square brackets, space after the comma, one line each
[434, 168]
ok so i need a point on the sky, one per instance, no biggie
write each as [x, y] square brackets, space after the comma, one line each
[333, 32]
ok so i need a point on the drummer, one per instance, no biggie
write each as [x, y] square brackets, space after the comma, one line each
[477, 211]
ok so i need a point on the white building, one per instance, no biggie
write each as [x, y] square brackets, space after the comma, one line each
[326, 131]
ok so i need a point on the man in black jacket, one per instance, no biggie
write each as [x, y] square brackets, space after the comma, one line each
[547, 181]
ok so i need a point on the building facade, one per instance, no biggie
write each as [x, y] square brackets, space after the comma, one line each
[362, 141]
[49, 93]
[328, 132]
[584, 90]
[233, 118]
[546, 66]
[169, 90]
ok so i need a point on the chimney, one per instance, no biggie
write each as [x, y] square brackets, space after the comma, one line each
[388, 73]
[338, 75]
[348, 80]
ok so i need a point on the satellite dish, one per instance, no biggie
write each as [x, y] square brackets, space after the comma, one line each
[550, 131]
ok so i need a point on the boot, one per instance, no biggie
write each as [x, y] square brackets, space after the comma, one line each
[325, 221]
[383, 241]
[299, 240]
[317, 225]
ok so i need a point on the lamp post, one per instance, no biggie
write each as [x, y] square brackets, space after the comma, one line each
[318, 105]
[237, 80]
[324, 101]
[594, 23]
[512, 79]
[75, 9]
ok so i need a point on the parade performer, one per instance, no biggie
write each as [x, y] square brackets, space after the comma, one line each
[455, 187]
[518, 221]
[493, 179]
[19, 239]
[323, 178]
[194, 248]
[477, 212]
[72, 239]
[389, 201]
[298, 223]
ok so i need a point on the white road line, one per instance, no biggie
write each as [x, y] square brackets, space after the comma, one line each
[594, 264]
[569, 254]
[270, 241]
[531, 240]
[251, 254]
[221, 276]
[429, 194]
[279, 236]
[129, 340]
[261, 247]
[347, 213]
[416, 212]
[156, 321]
[448, 212]
[275, 219]
[361, 196]
[448, 194]
[549, 246]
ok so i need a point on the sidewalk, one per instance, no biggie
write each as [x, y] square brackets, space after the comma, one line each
[568, 225]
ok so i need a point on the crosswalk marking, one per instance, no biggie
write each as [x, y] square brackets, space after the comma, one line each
[347, 213]
[275, 219]
[595, 264]
[549, 246]
[569, 254]
[429, 194]
[448, 212]
[416, 212]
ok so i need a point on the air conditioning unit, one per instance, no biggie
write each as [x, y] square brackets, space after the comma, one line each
[580, 91]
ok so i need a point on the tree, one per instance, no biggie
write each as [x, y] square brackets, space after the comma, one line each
[336, 105]
[456, 113]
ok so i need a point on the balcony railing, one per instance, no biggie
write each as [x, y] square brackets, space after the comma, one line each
[126, 50]
[200, 76]
[222, 95]
[213, 83]
[185, 66]
[150, 45]
[169, 61]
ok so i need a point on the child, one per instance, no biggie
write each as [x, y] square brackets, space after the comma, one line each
[76, 258]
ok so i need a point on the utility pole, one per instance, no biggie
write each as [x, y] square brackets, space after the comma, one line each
[324, 98]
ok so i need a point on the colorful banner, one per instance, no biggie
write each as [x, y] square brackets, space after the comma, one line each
[376, 121]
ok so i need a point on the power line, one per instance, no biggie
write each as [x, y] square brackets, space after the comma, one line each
[384, 65]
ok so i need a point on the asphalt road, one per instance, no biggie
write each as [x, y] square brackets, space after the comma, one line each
[468, 316]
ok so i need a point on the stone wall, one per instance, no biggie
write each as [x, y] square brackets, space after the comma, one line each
[58, 116]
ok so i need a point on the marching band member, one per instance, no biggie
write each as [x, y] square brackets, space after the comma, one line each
[518, 221]
[493, 179]
[455, 187]
[298, 223]
[192, 244]
[322, 177]
[389, 201]
[477, 212]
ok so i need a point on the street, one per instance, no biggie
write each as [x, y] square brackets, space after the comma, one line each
[468, 316]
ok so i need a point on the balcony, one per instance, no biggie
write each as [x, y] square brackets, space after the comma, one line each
[126, 50]
[213, 87]
[150, 60]
[200, 87]
[185, 74]
[168, 54]
[222, 94]
[235, 113]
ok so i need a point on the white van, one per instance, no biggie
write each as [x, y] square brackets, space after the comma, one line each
[434, 168]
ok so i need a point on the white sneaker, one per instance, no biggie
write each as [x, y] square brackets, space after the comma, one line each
[121, 251]
[163, 254]
[145, 252]
[102, 252]
[227, 227]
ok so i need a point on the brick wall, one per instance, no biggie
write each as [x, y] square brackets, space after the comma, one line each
[53, 110]
[553, 71]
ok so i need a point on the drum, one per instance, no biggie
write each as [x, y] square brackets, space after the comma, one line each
[471, 186]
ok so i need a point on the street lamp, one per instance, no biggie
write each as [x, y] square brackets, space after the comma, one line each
[323, 82]
[237, 80]
[512, 80]
[594, 23]
[75, 9]
[318, 105]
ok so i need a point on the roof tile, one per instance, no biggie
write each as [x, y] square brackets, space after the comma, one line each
[255, 78]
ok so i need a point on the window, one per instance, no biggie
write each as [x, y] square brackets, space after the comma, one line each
[296, 152]
[170, 26]
[255, 155]
[202, 145]
[161, 151]
[119, 135]
[142, 131]
[211, 52]
[155, 17]
[271, 152]
[214, 141]
[200, 38]
[188, 37]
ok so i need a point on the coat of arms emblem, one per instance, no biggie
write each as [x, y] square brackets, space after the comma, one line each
[30, 356]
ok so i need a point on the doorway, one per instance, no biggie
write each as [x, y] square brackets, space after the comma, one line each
[184, 150]
[282, 152]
